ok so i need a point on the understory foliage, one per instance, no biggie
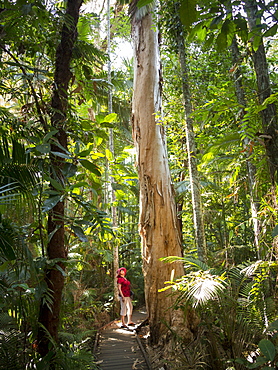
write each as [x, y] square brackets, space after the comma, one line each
[234, 291]
[237, 311]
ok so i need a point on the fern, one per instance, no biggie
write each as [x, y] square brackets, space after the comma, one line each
[11, 344]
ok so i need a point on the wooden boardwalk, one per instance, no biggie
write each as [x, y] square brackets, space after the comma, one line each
[121, 348]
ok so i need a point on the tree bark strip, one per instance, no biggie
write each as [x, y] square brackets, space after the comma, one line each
[56, 249]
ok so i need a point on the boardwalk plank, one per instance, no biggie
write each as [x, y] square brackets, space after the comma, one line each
[118, 348]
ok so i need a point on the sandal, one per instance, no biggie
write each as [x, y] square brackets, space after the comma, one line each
[123, 326]
[131, 324]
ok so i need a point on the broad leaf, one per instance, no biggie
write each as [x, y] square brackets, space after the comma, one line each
[271, 31]
[275, 231]
[57, 185]
[221, 41]
[142, 3]
[268, 349]
[272, 326]
[62, 155]
[188, 13]
[90, 166]
[78, 231]
[110, 118]
[50, 203]
[69, 169]
[43, 148]
[49, 135]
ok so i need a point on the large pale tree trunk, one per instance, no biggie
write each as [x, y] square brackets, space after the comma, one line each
[54, 277]
[160, 236]
[269, 114]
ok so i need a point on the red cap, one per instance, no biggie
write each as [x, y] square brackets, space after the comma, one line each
[121, 268]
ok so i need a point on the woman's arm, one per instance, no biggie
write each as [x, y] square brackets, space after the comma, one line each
[120, 290]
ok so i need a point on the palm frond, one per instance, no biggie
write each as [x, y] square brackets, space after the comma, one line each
[189, 262]
[205, 287]
[251, 269]
[11, 344]
[199, 287]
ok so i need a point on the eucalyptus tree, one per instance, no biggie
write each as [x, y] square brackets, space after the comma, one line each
[160, 235]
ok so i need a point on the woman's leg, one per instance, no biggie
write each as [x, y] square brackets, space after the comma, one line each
[129, 310]
[123, 310]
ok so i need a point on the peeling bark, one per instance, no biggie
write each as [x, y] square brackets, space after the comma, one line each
[158, 225]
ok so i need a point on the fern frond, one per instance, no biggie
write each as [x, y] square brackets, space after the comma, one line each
[189, 262]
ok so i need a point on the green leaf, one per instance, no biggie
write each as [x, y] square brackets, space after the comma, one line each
[57, 185]
[259, 362]
[142, 3]
[78, 231]
[273, 325]
[59, 268]
[90, 166]
[241, 28]
[7, 251]
[271, 31]
[221, 41]
[49, 135]
[275, 231]
[43, 148]
[110, 118]
[215, 22]
[69, 169]
[20, 285]
[107, 124]
[109, 155]
[62, 155]
[200, 31]
[188, 12]
[85, 152]
[50, 203]
[257, 40]
[53, 232]
[86, 125]
[79, 184]
[267, 348]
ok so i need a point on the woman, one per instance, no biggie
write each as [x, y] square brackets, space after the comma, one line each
[125, 293]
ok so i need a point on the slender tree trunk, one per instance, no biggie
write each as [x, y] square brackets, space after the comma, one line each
[158, 227]
[200, 238]
[56, 249]
[111, 179]
[269, 114]
[251, 168]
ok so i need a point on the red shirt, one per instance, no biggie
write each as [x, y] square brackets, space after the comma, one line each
[125, 286]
